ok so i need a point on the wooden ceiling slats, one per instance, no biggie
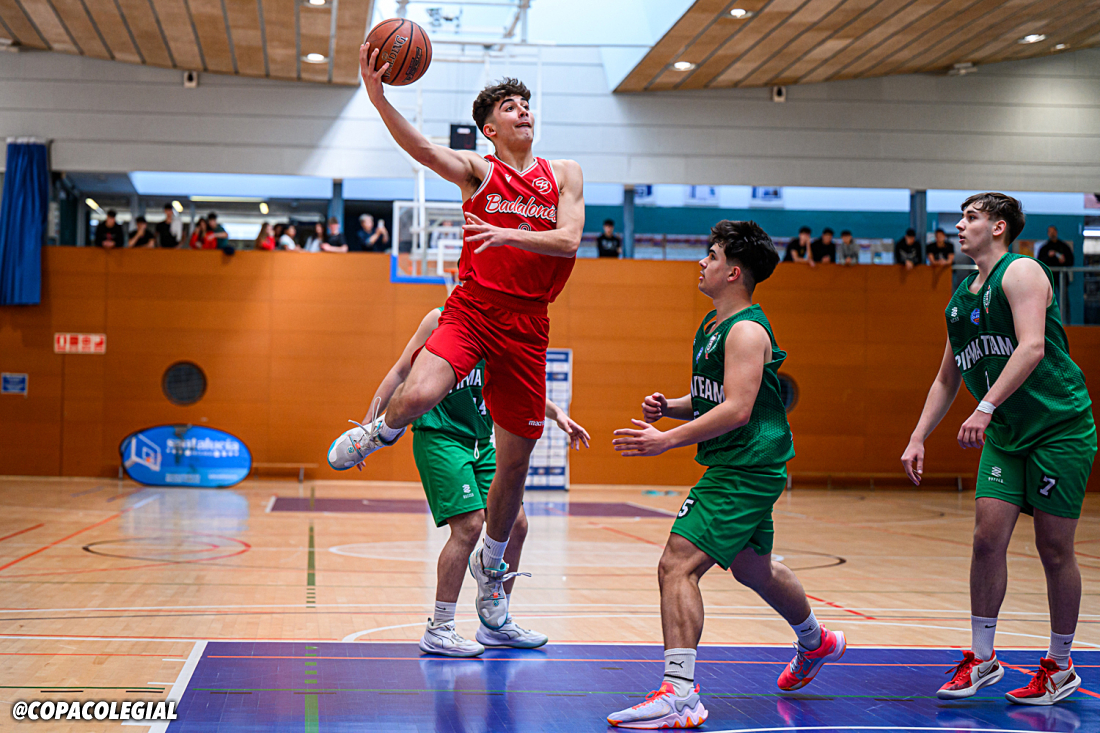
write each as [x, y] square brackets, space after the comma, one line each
[279, 30]
[351, 31]
[48, 25]
[143, 24]
[808, 41]
[210, 24]
[110, 26]
[20, 25]
[244, 20]
[79, 25]
[315, 26]
[175, 19]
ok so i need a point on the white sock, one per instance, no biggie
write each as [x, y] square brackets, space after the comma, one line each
[492, 555]
[1060, 645]
[444, 612]
[387, 433]
[680, 670]
[982, 631]
[809, 633]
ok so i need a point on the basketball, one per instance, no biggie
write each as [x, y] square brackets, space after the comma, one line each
[404, 46]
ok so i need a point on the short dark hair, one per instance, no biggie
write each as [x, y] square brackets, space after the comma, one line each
[609, 222]
[212, 215]
[826, 230]
[846, 233]
[999, 207]
[747, 243]
[910, 232]
[140, 220]
[333, 220]
[939, 230]
[490, 96]
[111, 212]
[805, 230]
[168, 206]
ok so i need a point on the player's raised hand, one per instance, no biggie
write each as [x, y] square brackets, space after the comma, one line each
[654, 407]
[972, 432]
[912, 460]
[372, 78]
[577, 434]
[646, 440]
[476, 230]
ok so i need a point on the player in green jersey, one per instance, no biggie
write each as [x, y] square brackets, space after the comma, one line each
[454, 453]
[1035, 427]
[737, 418]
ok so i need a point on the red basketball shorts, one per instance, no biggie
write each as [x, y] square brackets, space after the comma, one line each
[513, 345]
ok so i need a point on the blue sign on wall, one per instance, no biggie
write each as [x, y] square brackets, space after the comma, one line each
[13, 384]
[185, 455]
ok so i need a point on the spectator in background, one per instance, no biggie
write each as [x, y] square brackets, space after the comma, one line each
[608, 244]
[217, 230]
[317, 238]
[849, 250]
[279, 229]
[1055, 252]
[334, 242]
[907, 250]
[823, 249]
[265, 240]
[798, 249]
[370, 238]
[109, 233]
[142, 237]
[203, 237]
[169, 231]
[286, 240]
[941, 252]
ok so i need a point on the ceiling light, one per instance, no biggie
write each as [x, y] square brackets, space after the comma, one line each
[264, 208]
[1033, 38]
[315, 58]
[178, 207]
[962, 69]
[317, 2]
[91, 204]
[1061, 47]
[741, 13]
[683, 66]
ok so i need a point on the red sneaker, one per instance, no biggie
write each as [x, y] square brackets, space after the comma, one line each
[806, 664]
[1049, 685]
[971, 675]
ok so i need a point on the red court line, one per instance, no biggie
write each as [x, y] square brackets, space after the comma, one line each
[16, 534]
[616, 531]
[842, 608]
[116, 515]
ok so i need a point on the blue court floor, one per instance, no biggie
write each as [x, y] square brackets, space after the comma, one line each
[281, 686]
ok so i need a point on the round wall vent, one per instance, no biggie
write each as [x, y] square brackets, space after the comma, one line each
[184, 383]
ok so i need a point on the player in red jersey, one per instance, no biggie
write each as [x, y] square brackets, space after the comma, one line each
[523, 221]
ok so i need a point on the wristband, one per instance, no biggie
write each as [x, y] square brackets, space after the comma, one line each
[986, 407]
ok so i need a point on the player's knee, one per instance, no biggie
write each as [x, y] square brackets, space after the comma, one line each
[466, 528]
[1055, 554]
[988, 543]
[669, 568]
[519, 529]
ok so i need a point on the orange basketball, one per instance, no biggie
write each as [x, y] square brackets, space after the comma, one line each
[404, 46]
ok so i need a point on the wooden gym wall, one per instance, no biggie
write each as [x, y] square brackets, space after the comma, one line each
[293, 345]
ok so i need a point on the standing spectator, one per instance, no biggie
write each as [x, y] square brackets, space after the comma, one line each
[941, 252]
[608, 244]
[286, 241]
[265, 240]
[203, 237]
[370, 238]
[798, 249]
[1055, 252]
[823, 249]
[169, 231]
[317, 238]
[849, 250]
[142, 237]
[109, 234]
[279, 229]
[217, 230]
[907, 250]
[335, 241]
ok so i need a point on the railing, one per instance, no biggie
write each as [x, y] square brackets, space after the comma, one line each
[1063, 276]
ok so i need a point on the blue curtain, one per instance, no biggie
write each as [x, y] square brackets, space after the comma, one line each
[23, 208]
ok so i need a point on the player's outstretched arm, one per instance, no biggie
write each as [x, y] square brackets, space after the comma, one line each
[464, 168]
[1029, 293]
[399, 372]
[748, 346]
[940, 396]
[577, 435]
[656, 406]
[562, 241]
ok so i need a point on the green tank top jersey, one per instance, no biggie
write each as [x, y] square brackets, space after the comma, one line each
[983, 337]
[462, 412]
[765, 441]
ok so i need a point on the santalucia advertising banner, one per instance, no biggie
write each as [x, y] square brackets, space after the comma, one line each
[185, 455]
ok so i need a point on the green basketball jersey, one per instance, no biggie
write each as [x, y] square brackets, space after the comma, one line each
[983, 337]
[765, 441]
[462, 412]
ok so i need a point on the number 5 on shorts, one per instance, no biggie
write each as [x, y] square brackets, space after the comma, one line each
[686, 507]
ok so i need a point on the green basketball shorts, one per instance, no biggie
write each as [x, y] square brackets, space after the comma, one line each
[455, 475]
[1051, 477]
[731, 509]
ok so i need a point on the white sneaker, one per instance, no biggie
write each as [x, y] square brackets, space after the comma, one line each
[510, 634]
[491, 601]
[663, 708]
[356, 444]
[445, 640]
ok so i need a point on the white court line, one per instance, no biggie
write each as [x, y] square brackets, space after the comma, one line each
[270, 504]
[666, 512]
[182, 680]
[173, 660]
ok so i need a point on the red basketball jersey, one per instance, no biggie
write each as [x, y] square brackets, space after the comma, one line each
[516, 200]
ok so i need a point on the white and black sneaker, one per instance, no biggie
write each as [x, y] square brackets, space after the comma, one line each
[444, 640]
[491, 601]
[510, 634]
[354, 445]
